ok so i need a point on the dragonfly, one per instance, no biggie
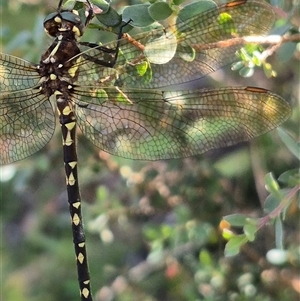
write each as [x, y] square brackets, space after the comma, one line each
[115, 93]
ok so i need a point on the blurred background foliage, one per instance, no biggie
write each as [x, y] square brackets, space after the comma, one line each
[153, 228]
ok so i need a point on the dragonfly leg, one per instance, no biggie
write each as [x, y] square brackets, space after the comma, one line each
[107, 62]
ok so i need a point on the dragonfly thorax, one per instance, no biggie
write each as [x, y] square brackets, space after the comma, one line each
[57, 68]
[65, 22]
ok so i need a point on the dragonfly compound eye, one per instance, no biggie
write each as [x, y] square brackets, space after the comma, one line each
[66, 21]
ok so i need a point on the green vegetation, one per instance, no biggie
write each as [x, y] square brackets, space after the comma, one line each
[157, 230]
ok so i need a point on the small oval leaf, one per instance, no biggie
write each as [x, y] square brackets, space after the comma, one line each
[246, 72]
[110, 18]
[161, 49]
[195, 9]
[271, 184]
[290, 143]
[160, 11]
[138, 14]
[236, 220]
[235, 243]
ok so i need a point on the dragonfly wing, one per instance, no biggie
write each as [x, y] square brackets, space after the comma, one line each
[27, 123]
[16, 74]
[155, 125]
[27, 119]
[180, 53]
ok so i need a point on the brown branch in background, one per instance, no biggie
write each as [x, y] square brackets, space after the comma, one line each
[277, 40]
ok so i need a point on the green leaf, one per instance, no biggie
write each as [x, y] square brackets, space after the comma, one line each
[234, 244]
[244, 55]
[161, 49]
[226, 21]
[157, 254]
[272, 185]
[178, 2]
[100, 94]
[141, 68]
[237, 66]
[269, 72]
[166, 231]
[256, 58]
[102, 193]
[290, 178]
[69, 4]
[194, 9]
[246, 71]
[250, 228]
[236, 220]
[159, 11]
[110, 18]
[138, 14]
[279, 233]
[148, 75]
[121, 97]
[151, 233]
[271, 203]
[102, 4]
[290, 143]
[186, 52]
[227, 234]
[205, 258]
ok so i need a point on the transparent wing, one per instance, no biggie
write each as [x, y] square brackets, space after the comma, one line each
[27, 119]
[16, 74]
[155, 125]
[179, 53]
[27, 123]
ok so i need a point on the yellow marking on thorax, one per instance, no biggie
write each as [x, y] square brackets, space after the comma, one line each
[72, 71]
[74, 68]
[66, 111]
[76, 30]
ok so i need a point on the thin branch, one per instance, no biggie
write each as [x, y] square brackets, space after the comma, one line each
[271, 39]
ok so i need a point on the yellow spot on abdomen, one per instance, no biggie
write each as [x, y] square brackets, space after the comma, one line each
[80, 258]
[68, 140]
[76, 205]
[71, 179]
[85, 292]
[76, 219]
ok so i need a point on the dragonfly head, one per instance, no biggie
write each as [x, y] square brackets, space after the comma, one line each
[63, 22]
